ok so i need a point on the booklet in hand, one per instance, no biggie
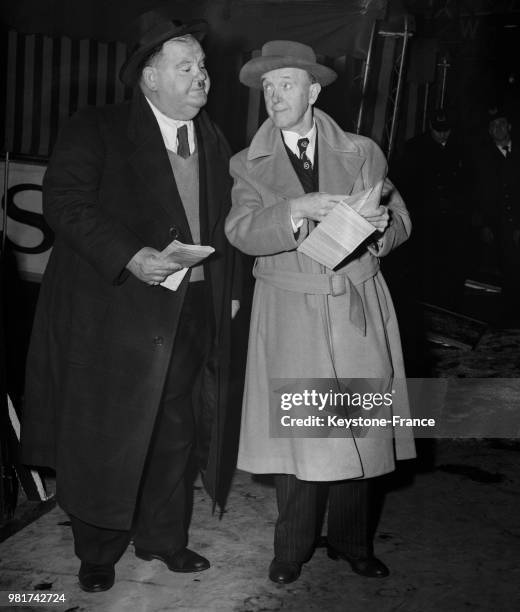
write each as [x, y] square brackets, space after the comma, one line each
[186, 255]
[343, 229]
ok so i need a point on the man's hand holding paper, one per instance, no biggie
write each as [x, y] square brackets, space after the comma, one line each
[350, 222]
[150, 267]
[379, 218]
[169, 266]
[315, 206]
[186, 255]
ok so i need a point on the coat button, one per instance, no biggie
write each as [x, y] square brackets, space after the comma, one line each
[158, 340]
[174, 233]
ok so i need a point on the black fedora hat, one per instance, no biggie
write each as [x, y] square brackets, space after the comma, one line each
[284, 54]
[148, 32]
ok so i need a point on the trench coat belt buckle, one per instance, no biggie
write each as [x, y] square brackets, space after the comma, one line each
[323, 284]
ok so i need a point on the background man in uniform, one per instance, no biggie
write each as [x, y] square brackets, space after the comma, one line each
[117, 363]
[496, 196]
[308, 321]
[431, 177]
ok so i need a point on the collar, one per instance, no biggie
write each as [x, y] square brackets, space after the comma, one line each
[291, 140]
[268, 138]
[505, 147]
[169, 127]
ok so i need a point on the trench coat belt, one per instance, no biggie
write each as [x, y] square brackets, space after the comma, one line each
[327, 284]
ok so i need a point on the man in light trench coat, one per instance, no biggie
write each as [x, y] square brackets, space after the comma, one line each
[116, 362]
[308, 321]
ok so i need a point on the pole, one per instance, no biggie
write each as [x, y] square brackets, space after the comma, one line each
[425, 110]
[393, 127]
[368, 64]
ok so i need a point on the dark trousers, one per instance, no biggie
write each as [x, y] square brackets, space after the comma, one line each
[160, 522]
[349, 527]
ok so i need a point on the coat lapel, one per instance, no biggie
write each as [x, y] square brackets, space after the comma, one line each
[150, 162]
[214, 178]
[339, 159]
[269, 163]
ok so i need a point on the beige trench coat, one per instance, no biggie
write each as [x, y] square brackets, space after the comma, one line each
[299, 335]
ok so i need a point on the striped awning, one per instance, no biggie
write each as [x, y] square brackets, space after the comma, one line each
[48, 79]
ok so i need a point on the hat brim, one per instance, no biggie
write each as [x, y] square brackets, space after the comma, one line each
[252, 72]
[441, 127]
[128, 72]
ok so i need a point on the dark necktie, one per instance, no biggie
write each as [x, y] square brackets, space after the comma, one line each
[183, 147]
[303, 143]
[507, 151]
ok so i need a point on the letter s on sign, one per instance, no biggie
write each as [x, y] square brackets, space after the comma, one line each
[30, 218]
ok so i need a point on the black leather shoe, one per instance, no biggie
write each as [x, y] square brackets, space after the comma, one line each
[184, 560]
[284, 572]
[94, 578]
[370, 567]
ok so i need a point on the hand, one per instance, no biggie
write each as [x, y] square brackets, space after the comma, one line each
[387, 190]
[235, 307]
[315, 206]
[149, 267]
[379, 218]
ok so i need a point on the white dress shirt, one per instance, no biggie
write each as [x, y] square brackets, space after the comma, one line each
[505, 149]
[291, 140]
[169, 129]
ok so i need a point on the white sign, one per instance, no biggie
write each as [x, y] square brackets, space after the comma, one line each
[28, 235]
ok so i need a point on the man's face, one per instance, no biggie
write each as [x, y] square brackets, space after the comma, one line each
[289, 96]
[500, 129]
[440, 136]
[178, 79]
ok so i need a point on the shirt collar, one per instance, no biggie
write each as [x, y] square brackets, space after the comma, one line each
[291, 140]
[169, 127]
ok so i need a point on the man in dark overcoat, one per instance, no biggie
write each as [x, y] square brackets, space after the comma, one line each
[118, 363]
[496, 196]
[431, 176]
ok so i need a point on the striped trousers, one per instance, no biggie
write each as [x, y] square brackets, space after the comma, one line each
[301, 506]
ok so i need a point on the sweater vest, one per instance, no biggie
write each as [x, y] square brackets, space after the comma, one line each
[186, 173]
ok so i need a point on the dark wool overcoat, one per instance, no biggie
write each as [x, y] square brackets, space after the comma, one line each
[102, 340]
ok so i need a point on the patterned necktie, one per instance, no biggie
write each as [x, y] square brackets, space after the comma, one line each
[183, 147]
[303, 143]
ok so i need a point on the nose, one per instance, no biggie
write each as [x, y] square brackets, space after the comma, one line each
[201, 74]
[275, 95]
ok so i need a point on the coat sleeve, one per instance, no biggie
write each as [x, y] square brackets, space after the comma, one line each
[253, 226]
[71, 203]
[400, 225]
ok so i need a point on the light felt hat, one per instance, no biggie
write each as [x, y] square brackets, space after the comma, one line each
[148, 32]
[284, 54]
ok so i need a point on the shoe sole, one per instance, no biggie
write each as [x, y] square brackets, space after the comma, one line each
[95, 589]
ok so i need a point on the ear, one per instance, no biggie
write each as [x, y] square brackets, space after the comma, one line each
[314, 92]
[149, 77]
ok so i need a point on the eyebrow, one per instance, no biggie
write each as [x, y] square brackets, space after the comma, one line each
[187, 60]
